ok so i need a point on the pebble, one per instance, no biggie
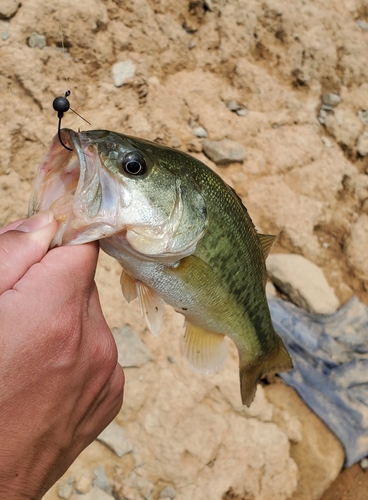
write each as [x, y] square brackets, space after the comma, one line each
[131, 350]
[224, 151]
[363, 25]
[236, 108]
[233, 106]
[101, 480]
[8, 8]
[303, 282]
[123, 71]
[94, 494]
[322, 116]
[5, 36]
[115, 438]
[37, 41]
[362, 146]
[65, 488]
[363, 116]
[83, 483]
[364, 463]
[144, 486]
[330, 99]
[199, 132]
[168, 492]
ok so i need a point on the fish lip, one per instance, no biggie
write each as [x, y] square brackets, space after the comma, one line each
[91, 181]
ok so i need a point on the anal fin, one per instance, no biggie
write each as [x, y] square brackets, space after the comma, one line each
[251, 373]
[152, 307]
[205, 351]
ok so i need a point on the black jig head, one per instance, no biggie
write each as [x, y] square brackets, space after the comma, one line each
[61, 105]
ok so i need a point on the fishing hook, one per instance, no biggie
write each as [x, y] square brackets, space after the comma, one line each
[62, 105]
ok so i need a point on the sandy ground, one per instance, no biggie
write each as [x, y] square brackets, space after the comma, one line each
[304, 178]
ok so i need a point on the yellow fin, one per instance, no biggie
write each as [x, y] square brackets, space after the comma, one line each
[152, 307]
[128, 286]
[205, 351]
[250, 374]
[266, 243]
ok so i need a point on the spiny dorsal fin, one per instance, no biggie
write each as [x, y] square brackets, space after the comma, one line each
[205, 351]
[266, 243]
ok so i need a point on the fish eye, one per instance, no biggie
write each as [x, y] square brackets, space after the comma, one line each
[134, 164]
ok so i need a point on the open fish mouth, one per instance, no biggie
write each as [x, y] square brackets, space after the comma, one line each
[80, 192]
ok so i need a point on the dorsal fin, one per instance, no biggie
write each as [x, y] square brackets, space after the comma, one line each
[266, 243]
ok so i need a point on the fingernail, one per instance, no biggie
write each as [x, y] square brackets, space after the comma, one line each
[37, 221]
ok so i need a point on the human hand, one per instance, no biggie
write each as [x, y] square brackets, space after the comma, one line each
[60, 383]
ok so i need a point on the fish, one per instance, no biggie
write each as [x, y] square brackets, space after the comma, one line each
[182, 236]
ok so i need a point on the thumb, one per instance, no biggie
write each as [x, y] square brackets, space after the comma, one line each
[24, 246]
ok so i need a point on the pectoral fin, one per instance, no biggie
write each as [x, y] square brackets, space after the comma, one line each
[250, 374]
[205, 351]
[152, 307]
[128, 286]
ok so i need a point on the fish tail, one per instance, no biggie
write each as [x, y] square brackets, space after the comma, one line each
[251, 373]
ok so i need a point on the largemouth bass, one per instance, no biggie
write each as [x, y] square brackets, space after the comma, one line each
[182, 236]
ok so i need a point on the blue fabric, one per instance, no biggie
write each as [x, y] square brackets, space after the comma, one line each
[330, 355]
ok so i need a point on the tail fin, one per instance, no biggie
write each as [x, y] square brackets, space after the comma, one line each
[250, 374]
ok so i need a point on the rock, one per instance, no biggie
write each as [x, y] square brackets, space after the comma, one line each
[241, 112]
[144, 486]
[362, 114]
[356, 247]
[5, 36]
[114, 437]
[123, 71]
[101, 480]
[318, 454]
[37, 41]
[351, 484]
[330, 99]
[363, 25]
[83, 482]
[344, 126]
[303, 282]
[8, 8]
[199, 132]
[236, 108]
[322, 116]
[362, 146]
[233, 106]
[93, 494]
[168, 492]
[364, 463]
[131, 350]
[66, 487]
[224, 151]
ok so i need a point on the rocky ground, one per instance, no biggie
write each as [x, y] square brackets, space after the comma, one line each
[287, 81]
